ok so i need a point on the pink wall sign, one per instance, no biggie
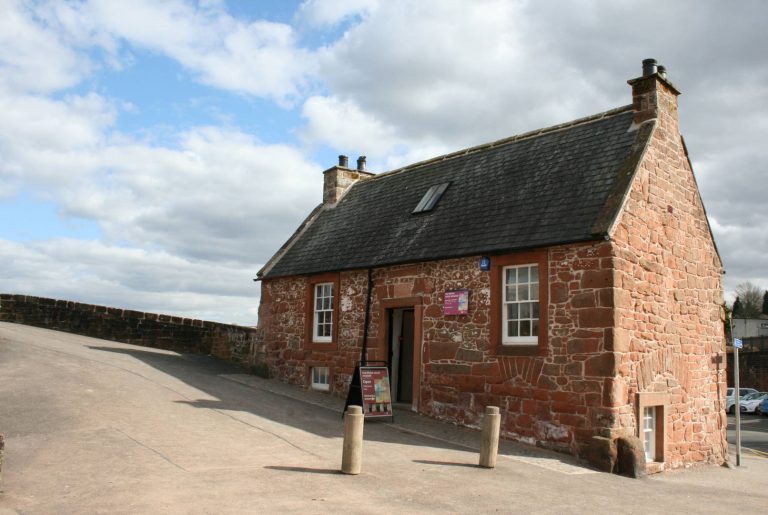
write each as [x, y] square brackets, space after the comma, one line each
[456, 302]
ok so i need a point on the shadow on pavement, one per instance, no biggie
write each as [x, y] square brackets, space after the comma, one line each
[447, 463]
[304, 469]
[314, 412]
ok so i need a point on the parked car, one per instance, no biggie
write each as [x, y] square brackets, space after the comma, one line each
[730, 401]
[751, 401]
[762, 408]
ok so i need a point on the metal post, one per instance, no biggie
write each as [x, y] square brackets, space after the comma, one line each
[737, 407]
[736, 396]
[366, 323]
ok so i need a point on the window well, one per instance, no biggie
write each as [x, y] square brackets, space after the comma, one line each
[431, 197]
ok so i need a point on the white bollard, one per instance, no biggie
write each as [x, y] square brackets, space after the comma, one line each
[489, 439]
[352, 455]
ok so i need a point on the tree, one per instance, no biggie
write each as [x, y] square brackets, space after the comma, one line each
[751, 300]
[765, 303]
[727, 321]
[736, 311]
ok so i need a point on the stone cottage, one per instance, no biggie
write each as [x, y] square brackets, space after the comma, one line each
[588, 284]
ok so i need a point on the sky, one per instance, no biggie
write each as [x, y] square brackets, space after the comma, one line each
[153, 155]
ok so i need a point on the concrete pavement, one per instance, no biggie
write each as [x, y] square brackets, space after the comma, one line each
[94, 426]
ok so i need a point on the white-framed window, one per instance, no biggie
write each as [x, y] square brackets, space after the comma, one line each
[320, 379]
[649, 432]
[651, 415]
[520, 305]
[322, 330]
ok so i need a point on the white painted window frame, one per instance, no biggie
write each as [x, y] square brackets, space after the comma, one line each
[649, 432]
[321, 378]
[519, 340]
[326, 308]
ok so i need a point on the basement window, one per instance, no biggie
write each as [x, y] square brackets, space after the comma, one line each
[320, 379]
[431, 197]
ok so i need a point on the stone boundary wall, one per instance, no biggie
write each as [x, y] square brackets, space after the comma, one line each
[229, 342]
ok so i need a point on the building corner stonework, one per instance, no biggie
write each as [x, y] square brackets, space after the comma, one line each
[669, 300]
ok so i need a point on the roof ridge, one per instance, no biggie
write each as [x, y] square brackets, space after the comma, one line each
[509, 139]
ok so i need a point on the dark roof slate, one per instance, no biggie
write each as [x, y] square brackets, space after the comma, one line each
[554, 186]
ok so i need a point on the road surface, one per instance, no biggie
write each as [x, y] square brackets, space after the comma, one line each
[94, 426]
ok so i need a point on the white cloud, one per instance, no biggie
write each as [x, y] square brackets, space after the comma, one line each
[50, 143]
[182, 224]
[344, 125]
[220, 195]
[92, 272]
[407, 80]
[742, 249]
[33, 58]
[443, 72]
[331, 12]
[45, 48]
[259, 58]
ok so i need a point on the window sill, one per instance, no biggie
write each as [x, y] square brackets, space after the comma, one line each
[311, 345]
[527, 349]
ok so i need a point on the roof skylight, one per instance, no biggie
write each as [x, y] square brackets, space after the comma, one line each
[431, 197]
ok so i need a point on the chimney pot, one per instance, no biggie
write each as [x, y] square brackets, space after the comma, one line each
[338, 179]
[653, 95]
[649, 67]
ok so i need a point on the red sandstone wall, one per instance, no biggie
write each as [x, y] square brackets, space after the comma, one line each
[559, 398]
[282, 319]
[669, 297]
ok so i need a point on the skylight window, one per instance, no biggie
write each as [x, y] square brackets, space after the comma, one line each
[431, 197]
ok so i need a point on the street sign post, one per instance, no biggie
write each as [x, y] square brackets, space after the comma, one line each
[736, 396]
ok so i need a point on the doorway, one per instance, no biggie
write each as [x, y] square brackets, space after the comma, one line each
[401, 352]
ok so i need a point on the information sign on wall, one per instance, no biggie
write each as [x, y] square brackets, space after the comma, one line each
[377, 400]
[456, 302]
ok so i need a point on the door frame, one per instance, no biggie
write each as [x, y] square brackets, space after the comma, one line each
[385, 336]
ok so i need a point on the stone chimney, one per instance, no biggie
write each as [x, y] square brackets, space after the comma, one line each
[340, 178]
[653, 96]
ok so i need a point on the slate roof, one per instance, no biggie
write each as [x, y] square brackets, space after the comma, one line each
[557, 185]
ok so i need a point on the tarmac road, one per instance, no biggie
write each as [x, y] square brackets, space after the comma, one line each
[94, 426]
[754, 433]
